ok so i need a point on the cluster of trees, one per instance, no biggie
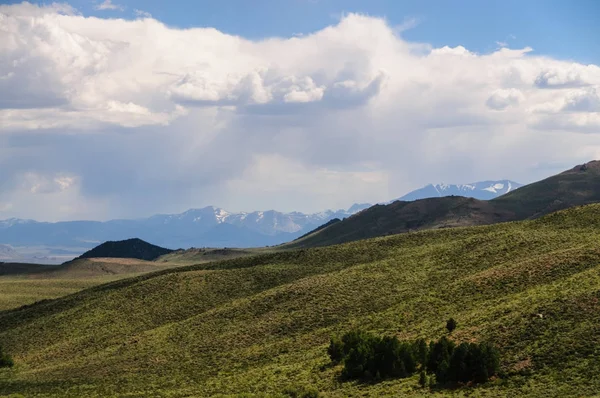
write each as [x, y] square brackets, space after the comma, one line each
[5, 360]
[367, 356]
[463, 363]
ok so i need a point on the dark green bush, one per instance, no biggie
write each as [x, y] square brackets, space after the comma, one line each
[5, 360]
[451, 325]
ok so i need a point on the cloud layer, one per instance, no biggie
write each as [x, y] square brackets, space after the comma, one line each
[124, 118]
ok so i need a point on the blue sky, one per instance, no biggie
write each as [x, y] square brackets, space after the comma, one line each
[299, 105]
[566, 29]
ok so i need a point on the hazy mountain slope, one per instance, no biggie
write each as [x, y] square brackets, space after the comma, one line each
[398, 217]
[7, 252]
[578, 186]
[482, 190]
[129, 248]
[261, 325]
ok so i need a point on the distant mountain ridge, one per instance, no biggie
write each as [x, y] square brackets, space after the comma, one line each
[482, 190]
[206, 227]
[574, 187]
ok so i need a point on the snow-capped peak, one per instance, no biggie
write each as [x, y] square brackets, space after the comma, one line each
[483, 190]
[14, 221]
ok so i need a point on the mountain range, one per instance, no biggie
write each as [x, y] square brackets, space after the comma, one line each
[205, 227]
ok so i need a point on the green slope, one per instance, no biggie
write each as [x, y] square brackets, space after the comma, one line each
[575, 187]
[260, 325]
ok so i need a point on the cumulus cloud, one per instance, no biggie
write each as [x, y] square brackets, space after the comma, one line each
[566, 76]
[125, 118]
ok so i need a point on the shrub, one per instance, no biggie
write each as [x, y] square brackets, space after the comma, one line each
[5, 360]
[451, 325]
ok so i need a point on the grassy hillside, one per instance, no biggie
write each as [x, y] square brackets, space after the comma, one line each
[260, 325]
[575, 187]
[129, 248]
[22, 284]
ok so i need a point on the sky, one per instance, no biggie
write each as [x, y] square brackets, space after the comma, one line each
[124, 109]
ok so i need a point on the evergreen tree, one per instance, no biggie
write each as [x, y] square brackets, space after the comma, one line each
[460, 369]
[389, 361]
[439, 352]
[491, 358]
[441, 374]
[422, 352]
[336, 349]
[423, 379]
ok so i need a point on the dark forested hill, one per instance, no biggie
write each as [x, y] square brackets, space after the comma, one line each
[130, 248]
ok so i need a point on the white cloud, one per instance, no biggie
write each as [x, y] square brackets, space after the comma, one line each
[503, 98]
[586, 100]
[148, 118]
[36, 183]
[568, 75]
[282, 177]
[109, 5]
[27, 9]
